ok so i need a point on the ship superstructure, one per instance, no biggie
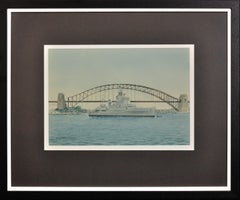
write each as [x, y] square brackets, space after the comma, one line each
[122, 108]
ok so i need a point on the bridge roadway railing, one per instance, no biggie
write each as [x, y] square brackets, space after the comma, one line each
[74, 100]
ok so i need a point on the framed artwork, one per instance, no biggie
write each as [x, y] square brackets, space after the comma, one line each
[123, 99]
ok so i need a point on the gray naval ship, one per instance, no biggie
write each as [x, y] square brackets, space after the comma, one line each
[122, 108]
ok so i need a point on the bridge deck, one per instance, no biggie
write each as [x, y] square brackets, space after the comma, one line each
[86, 101]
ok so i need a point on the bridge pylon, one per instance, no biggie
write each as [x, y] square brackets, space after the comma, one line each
[183, 105]
[61, 103]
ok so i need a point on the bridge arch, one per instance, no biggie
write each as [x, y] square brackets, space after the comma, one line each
[74, 100]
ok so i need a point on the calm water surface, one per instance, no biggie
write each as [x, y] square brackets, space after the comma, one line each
[169, 129]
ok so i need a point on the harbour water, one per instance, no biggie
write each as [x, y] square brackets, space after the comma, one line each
[168, 129]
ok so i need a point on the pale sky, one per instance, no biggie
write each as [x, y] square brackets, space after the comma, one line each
[72, 71]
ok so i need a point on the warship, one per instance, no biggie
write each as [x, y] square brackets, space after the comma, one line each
[122, 108]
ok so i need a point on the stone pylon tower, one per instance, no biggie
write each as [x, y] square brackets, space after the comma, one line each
[183, 105]
[61, 104]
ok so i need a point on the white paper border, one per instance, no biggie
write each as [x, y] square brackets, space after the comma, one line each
[122, 147]
[202, 188]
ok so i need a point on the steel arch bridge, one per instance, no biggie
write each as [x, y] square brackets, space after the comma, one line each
[74, 100]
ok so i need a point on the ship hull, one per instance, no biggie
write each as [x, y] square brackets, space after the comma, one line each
[123, 114]
[119, 115]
